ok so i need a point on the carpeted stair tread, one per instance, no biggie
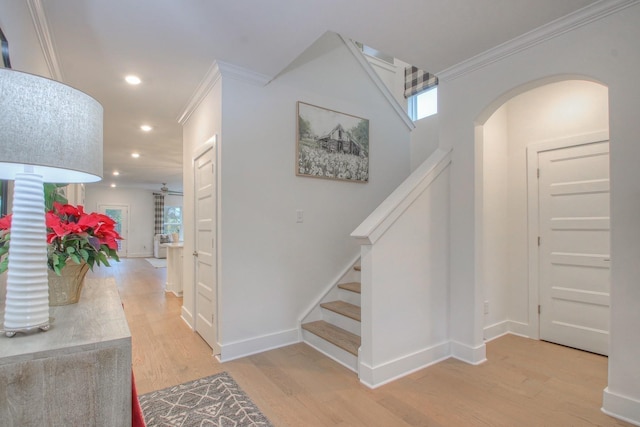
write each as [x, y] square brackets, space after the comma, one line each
[343, 308]
[336, 336]
[357, 268]
[353, 287]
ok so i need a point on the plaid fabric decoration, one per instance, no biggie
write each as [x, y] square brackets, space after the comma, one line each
[159, 213]
[417, 80]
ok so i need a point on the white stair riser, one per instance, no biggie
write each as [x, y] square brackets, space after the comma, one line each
[336, 353]
[341, 321]
[351, 276]
[350, 297]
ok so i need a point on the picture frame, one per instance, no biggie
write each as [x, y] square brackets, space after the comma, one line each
[331, 144]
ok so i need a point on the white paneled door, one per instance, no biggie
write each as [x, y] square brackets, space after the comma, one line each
[205, 248]
[573, 191]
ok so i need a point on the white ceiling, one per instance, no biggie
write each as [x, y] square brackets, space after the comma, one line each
[171, 45]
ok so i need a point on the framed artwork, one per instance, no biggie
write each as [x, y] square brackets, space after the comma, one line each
[331, 145]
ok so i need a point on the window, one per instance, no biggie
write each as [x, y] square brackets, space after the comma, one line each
[368, 50]
[173, 220]
[4, 198]
[423, 104]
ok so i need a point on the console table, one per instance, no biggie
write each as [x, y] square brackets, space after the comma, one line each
[78, 372]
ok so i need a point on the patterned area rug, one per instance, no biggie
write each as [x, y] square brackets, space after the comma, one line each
[212, 401]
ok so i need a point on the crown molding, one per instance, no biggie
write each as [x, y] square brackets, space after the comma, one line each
[368, 68]
[208, 82]
[41, 27]
[584, 16]
[217, 70]
[243, 74]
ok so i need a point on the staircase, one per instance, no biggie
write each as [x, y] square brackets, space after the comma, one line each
[333, 328]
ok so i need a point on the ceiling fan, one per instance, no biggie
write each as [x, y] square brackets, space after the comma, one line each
[165, 191]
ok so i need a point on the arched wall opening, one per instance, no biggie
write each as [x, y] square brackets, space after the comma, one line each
[552, 109]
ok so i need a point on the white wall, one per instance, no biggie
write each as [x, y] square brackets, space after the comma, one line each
[392, 75]
[272, 268]
[141, 214]
[24, 48]
[424, 140]
[495, 259]
[605, 50]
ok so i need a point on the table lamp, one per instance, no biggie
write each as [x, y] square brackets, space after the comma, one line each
[49, 132]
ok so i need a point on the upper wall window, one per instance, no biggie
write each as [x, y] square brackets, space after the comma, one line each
[423, 104]
[421, 91]
[368, 50]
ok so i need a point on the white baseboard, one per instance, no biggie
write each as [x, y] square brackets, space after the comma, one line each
[187, 317]
[382, 374]
[505, 327]
[472, 355]
[140, 255]
[520, 329]
[238, 349]
[622, 407]
[496, 330]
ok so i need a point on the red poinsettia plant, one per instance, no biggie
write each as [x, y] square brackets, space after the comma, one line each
[71, 234]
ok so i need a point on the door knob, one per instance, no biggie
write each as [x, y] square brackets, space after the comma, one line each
[195, 253]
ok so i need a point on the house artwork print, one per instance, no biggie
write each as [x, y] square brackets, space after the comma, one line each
[332, 145]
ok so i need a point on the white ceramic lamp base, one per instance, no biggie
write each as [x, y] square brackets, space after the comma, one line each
[27, 300]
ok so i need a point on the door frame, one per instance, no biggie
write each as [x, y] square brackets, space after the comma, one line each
[533, 231]
[209, 144]
[125, 236]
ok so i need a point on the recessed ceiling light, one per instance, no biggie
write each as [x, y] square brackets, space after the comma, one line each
[116, 173]
[146, 128]
[135, 155]
[113, 186]
[133, 80]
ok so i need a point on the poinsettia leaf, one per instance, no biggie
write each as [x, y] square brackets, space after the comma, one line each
[102, 258]
[84, 254]
[70, 250]
[4, 265]
[52, 194]
[95, 242]
[75, 258]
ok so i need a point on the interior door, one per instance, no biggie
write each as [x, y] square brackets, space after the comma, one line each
[120, 214]
[574, 246]
[205, 248]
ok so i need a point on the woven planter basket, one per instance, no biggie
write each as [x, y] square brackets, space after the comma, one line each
[65, 289]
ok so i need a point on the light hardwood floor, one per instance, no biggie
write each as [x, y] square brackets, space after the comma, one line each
[523, 383]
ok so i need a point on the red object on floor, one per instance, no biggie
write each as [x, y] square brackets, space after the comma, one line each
[137, 419]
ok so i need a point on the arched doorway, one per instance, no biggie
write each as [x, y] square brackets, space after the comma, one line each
[569, 112]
